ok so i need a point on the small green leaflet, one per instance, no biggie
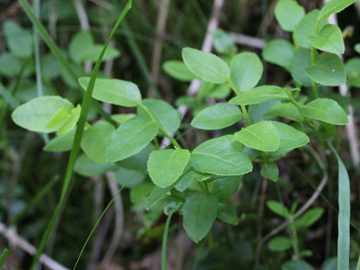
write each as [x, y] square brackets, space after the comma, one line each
[328, 70]
[220, 156]
[156, 195]
[334, 6]
[261, 136]
[96, 140]
[246, 70]
[219, 116]
[329, 40]
[166, 166]
[178, 70]
[278, 208]
[35, 114]
[206, 66]
[352, 68]
[70, 123]
[309, 218]
[279, 52]
[286, 110]
[114, 91]
[326, 110]
[18, 40]
[130, 138]
[288, 13]
[270, 171]
[200, 211]
[260, 94]
[279, 244]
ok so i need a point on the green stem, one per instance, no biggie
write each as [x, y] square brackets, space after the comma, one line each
[78, 135]
[313, 62]
[243, 107]
[164, 241]
[315, 89]
[166, 134]
[3, 257]
[358, 264]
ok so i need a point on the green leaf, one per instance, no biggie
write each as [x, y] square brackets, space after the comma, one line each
[286, 110]
[167, 115]
[61, 143]
[288, 13]
[328, 70]
[18, 40]
[70, 123]
[297, 265]
[58, 118]
[206, 66]
[140, 191]
[278, 209]
[357, 48]
[114, 91]
[279, 52]
[80, 42]
[352, 68]
[92, 53]
[199, 211]
[309, 218]
[228, 215]
[279, 244]
[35, 114]
[166, 166]
[185, 180]
[306, 28]
[9, 64]
[123, 117]
[156, 195]
[270, 171]
[130, 138]
[326, 110]
[220, 91]
[301, 62]
[219, 156]
[178, 70]
[86, 167]
[226, 187]
[261, 136]
[223, 42]
[334, 6]
[219, 116]
[260, 94]
[246, 70]
[290, 138]
[96, 140]
[329, 40]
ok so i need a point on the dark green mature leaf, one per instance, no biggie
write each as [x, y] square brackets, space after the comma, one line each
[226, 187]
[219, 116]
[114, 91]
[185, 180]
[178, 70]
[328, 70]
[334, 6]
[35, 114]
[228, 215]
[18, 40]
[301, 62]
[329, 40]
[309, 218]
[156, 195]
[290, 138]
[270, 171]
[219, 156]
[130, 138]
[279, 52]
[166, 166]
[200, 211]
[96, 140]
[286, 110]
[260, 94]
[297, 265]
[246, 70]
[278, 208]
[352, 68]
[261, 136]
[206, 66]
[288, 13]
[167, 115]
[279, 244]
[140, 191]
[326, 110]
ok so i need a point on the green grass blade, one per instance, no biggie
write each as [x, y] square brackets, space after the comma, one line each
[164, 241]
[358, 264]
[78, 135]
[3, 257]
[343, 256]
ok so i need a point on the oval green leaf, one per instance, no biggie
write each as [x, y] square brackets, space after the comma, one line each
[279, 244]
[329, 39]
[279, 52]
[178, 70]
[260, 94]
[286, 110]
[288, 13]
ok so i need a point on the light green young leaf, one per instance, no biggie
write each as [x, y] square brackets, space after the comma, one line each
[35, 114]
[329, 40]
[357, 47]
[223, 42]
[286, 110]
[220, 91]
[200, 211]
[80, 42]
[71, 121]
[326, 110]
[219, 156]
[279, 244]
[96, 140]
[206, 66]
[167, 115]
[260, 94]
[309, 218]
[279, 52]
[288, 13]
[278, 208]
[219, 116]
[58, 118]
[334, 6]
[61, 143]
[306, 28]
[328, 70]
[18, 40]
[352, 68]
[301, 62]
[270, 171]
[92, 53]
[114, 91]
[246, 70]
[121, 118]
[166, 166]
[178, 70]
[261, 136]
[130, 138]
